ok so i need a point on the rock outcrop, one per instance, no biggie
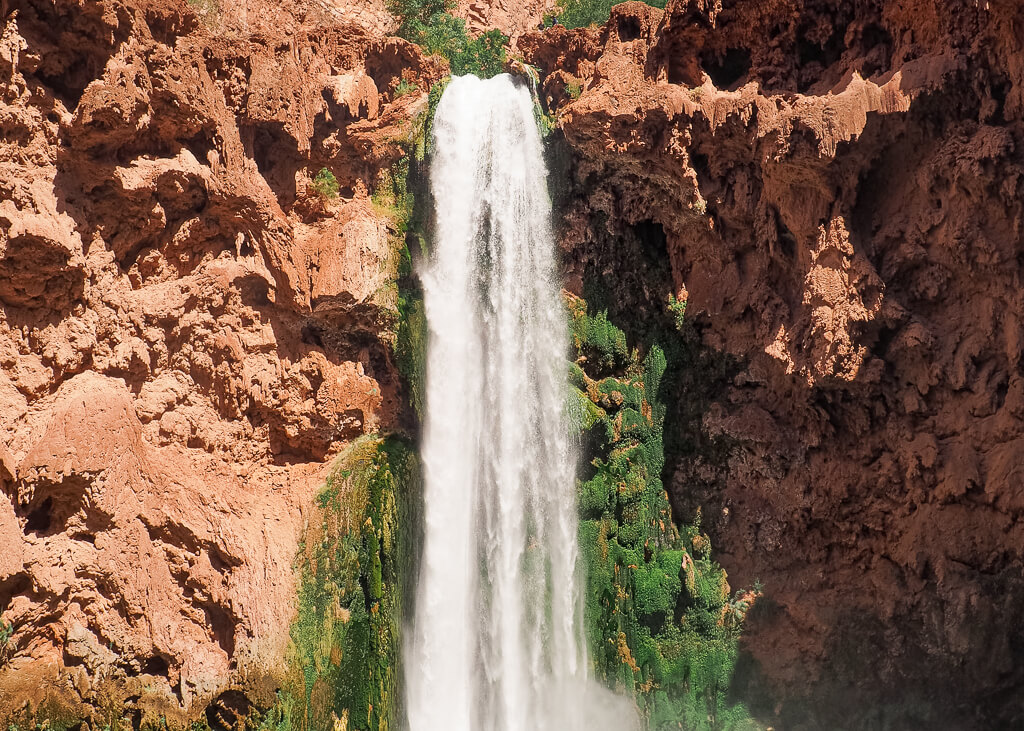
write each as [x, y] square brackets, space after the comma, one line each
[836, 190]
[188, 329]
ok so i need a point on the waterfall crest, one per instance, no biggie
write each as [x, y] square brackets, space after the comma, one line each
[497, 641]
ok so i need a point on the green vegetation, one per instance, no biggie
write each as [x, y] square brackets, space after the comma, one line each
[574, 89]
[404, 87]
[325, 184]
[6, 645]
[401, 299]
[661, 623]
[430, 24]
[483, 56]
[353, 562]
[583, 13]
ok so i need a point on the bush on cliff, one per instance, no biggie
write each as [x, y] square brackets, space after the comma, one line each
[430, 24]
[583, 13]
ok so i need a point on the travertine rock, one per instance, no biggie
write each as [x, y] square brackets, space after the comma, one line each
[187, 332]
[836, 191]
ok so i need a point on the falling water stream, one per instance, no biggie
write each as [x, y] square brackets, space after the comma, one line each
[497, 638]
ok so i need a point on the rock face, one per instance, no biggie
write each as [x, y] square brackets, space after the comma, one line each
[837, 192]
[188, 330]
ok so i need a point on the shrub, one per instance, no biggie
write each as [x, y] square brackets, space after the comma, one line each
[430, 24]
[325, 184]
[353, 567]
[6, 633]
[483, 56]
[660, 621]
[583, 13]
[405, 87]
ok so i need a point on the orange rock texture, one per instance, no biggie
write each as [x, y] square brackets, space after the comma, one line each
[837, 191]
[188, 331]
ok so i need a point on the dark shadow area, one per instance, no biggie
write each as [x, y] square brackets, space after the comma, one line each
[628, 28]
[274, 151]
[74, 42]
[228, 711]
[728, 71]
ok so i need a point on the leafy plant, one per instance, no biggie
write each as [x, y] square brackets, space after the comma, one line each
[325, 184]
[678, 310]
[583, 13]
[6, 644]
[405, 87]
[353, 563]
[574, 89]
[430, 24]
[484, 56]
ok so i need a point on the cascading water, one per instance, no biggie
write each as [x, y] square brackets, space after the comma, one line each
[497, 643]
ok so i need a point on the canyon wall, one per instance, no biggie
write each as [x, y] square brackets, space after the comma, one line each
[190, 329]
[835, 191]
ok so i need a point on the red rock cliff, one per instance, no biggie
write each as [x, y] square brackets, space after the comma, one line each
[187, 330]
[837, 191]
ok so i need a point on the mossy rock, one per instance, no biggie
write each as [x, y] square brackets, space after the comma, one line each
[656, 605]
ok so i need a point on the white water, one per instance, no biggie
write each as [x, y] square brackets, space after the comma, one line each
[497, 641]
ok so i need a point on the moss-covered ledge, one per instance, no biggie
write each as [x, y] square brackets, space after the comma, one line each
[662, 623]
[355, 567]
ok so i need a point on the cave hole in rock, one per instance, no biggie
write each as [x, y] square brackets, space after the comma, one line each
[39, 519]
[221, 626]
[876, 45]
[652, 237]
[86, 41]
[628, 29]
[787, 241]
[678, 71]
[879, 340]
[730, 69]
[201, 144]
[702, 166]
[815, 57]
[312, 335]
[1002, 388]
[254, 290]
[156, 665]
[273, 152]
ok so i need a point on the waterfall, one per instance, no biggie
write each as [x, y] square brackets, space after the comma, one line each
[497, 639]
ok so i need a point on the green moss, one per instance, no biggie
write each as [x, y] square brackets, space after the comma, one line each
[659, 618]
[411, 348]
[352, 563]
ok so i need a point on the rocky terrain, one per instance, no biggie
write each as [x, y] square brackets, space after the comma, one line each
[191, 327]
[836, 190]
[188, 329]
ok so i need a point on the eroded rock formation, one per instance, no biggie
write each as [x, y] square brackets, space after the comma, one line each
[835, 189]
[188, 330]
